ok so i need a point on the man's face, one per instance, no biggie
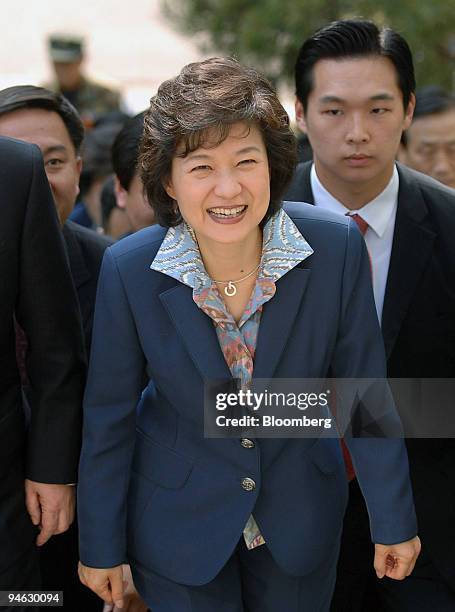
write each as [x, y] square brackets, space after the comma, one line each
[431, 146]
[354, 119]
[47, 130]
[68, 74]
[134, 203]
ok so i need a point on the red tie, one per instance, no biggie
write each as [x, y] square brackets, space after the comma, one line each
[350, 472]
[361, 223]
[363, 226]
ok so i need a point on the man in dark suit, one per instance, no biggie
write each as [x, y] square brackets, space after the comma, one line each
[355, 96]
[36, 291]
[44, 118]
[37, 115]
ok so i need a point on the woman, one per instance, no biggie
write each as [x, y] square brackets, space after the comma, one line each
[234, 287]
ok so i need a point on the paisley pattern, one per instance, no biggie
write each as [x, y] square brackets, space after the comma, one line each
[283, 248]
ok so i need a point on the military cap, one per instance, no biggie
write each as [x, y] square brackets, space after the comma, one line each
[65, 47]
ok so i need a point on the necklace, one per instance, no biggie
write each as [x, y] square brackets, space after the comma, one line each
[231, 288]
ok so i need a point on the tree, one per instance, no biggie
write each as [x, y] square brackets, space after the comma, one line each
[268, 33]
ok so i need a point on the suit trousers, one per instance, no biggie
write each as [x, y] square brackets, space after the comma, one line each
[250, 581]
[22, 575]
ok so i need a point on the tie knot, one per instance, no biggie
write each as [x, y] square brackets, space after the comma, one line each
[361, 223]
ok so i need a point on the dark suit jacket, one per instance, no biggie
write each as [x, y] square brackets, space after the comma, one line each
[185, 509]
[59, 556]
[36, 288]
[85, 250]
[418, 326]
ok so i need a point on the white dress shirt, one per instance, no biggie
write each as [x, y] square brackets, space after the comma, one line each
[380, 215]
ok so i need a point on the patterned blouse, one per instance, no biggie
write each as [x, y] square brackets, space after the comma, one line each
[283, 248]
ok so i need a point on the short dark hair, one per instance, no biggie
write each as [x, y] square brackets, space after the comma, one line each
[96, 154]
[28, 96]
[431, 100]
[125, 150]
[354, 38]
[212, 95]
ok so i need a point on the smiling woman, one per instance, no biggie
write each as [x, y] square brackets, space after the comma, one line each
[230, 286]
[218, 155]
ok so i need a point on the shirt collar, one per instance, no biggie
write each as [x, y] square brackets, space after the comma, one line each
[283, 248]
[376, 213]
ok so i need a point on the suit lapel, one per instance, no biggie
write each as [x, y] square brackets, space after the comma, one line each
[197, 332]
[412, 247]
[277, 320]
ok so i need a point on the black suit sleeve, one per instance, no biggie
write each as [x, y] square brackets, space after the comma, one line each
[48, 311]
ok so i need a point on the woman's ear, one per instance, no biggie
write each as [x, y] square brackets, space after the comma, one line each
[169, 188]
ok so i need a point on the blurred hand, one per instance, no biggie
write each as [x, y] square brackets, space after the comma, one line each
[132, 601]
[396, 560]
[107, 583]
[50, 506]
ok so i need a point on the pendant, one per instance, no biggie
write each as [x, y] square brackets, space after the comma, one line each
[230, 289]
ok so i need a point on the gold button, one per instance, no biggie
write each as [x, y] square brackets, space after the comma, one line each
[247, 443]
[248, 484]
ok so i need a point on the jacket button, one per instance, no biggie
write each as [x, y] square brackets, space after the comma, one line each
[247, 443]
[248, 484]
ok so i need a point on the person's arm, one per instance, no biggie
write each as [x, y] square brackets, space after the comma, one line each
[113, 390]
[381, 464]
[48, 312]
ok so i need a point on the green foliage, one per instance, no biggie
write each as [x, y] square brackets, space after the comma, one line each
[268, 33]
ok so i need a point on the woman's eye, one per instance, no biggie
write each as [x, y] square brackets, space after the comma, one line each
[201, 167]
[245, 162]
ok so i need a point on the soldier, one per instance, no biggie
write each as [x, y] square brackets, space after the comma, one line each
[90, 98]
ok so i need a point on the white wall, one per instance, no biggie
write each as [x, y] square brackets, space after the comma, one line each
[128, 43]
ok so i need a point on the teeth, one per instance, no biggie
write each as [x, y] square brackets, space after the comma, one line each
[227, 212]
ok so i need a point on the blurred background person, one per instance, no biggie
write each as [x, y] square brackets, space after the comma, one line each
[428, 145]
[96, 168]
[91, 99]
[113, 218]
[129, 190]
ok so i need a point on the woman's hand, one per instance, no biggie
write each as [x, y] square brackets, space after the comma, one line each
[132, 601]
[107, 583]
[396, 560]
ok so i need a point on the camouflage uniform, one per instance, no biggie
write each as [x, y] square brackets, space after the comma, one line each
[91, 100]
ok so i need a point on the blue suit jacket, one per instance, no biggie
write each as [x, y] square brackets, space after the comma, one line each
[154, 489]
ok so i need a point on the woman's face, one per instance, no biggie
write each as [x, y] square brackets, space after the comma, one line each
[223, 192]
